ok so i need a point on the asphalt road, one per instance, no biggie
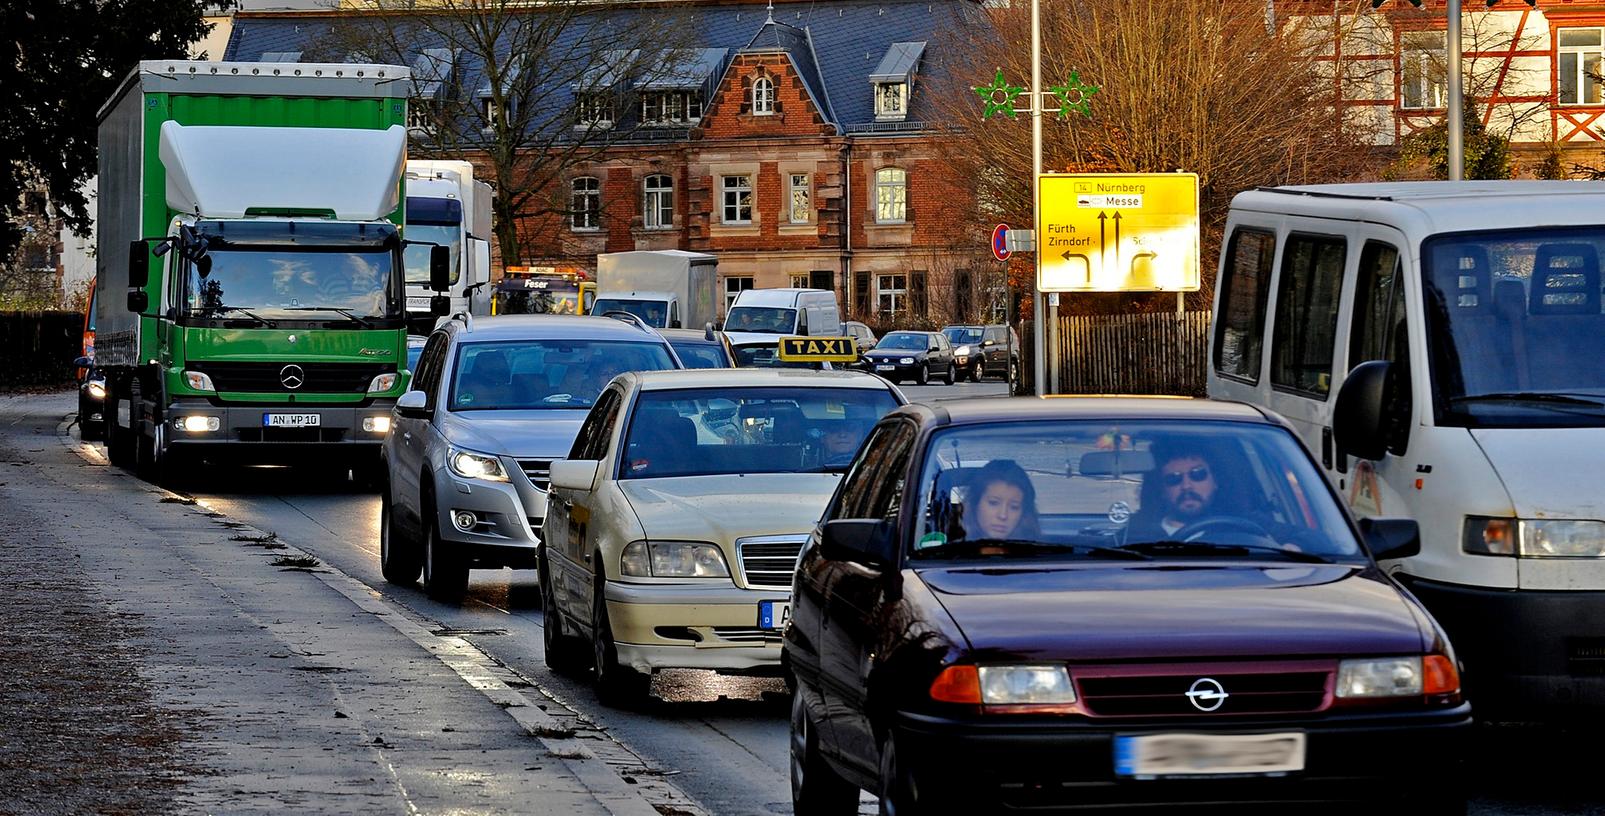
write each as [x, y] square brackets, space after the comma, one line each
[723, 740]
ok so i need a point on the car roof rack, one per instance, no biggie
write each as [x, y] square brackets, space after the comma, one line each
[467, 319]
[630, 318]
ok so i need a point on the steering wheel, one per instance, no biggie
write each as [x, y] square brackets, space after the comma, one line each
[1206, 528]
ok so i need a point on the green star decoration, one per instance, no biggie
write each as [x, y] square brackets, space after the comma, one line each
[1074, 95]
[999, 96]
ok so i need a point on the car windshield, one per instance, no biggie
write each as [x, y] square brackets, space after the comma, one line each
[651, 311]
[905, 341]
[707, 431]
[959, 335]
[766, 355]
[761, 319]
[415, 256]
[700, 355]
[1516, 327]
[1133, 490]
[535, 374]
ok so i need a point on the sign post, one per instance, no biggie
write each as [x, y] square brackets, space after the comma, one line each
[1126, 232]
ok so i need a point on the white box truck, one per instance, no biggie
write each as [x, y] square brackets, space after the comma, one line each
[667, 288]
[448, 207]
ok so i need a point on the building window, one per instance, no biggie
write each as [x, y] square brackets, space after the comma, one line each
[802, 198]
[763, 96]
[671, 107]
[733, 286]
[422, 113]
[492, 114]
[1578, 74]
[594, 109]
[587, 203]
[658, 211]
[892, 291]
[891, 100]
[736, 194]
[891, 196]
[799, 280]
[1422, 83]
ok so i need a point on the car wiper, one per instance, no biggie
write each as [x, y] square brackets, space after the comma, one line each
[1192, 548]
[339, 310]
[1531, 396]
[242, 310]
[954, 548]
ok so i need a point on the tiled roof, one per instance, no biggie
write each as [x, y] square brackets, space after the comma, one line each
[835, 44]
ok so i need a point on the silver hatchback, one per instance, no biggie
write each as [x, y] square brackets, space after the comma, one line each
[493, 402]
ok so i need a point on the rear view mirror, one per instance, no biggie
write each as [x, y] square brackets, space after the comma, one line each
[439, 305]
[138, 301]
[871, 542]
[481, 270]
[575, 474]
[138, 266]
[1359, 425]
[1389, 538]
[989, 342]
[413, 405]
[439, 268]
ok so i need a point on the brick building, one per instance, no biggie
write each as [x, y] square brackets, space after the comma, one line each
[798, 141]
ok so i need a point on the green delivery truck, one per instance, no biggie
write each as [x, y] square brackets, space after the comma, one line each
[251, 296]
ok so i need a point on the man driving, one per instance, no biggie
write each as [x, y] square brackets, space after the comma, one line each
[1181, 489]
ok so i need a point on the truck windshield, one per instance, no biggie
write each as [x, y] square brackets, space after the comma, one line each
[651, 311]
[538, 296]
[416, 256]
[1516, 327]
[761, 319]
[290, 284]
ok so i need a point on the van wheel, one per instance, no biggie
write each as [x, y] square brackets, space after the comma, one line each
[816, 788]
[565, 654]
[617, 686]
[445, 572]
[399, 559]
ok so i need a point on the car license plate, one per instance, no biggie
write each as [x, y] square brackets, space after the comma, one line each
[291, 420]
[885, 367]
[1158, 756]
[774, 614]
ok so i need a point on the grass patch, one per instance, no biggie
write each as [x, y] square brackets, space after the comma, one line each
[177, 500]
[554, 732]
[303, 562]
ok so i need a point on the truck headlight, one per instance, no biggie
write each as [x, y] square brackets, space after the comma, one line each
[1534, 538]
[470, 465]
[1397, 677]
[97, 389]
[376, 424]
[672, 559]
[198, 381]
[199, 424]
[382, 383]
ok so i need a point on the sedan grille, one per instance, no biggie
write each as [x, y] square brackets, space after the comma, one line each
[1163, 691]
[767, 562]
[748, 635]
[539, 472]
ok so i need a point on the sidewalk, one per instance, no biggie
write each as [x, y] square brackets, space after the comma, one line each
[159, 666]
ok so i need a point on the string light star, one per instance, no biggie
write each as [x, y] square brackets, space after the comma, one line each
[1074, 95]
[999, 96]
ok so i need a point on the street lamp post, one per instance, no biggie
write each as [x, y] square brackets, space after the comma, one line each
[1038, 302]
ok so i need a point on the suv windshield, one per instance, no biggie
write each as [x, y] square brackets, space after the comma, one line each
[1136, 490]
[904, 340]
[960, 335]
[702, 432]
[1516, 327]
[535, 374]
[761, 319]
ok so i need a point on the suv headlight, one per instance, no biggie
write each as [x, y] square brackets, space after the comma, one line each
[382, 383]
[1534, 538]
[470, 465]
[672, 559]
[198, 381]
[962, 351]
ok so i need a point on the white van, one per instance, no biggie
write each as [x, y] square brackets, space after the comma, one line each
[1441, 346]
[784, 311]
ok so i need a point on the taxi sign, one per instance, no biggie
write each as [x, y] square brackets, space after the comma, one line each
[818, 349]
[1126, 232]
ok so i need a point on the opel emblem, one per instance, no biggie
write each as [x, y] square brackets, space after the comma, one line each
[1207, 694]
[292, 377]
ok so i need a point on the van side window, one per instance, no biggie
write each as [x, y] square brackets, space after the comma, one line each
[1307, 313]
[1245, 287]
[1377, 333]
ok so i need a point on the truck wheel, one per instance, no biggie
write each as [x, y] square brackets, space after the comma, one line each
[565, 654]
[445, 572]
[399, 559]
[617, 686]
[816, 788]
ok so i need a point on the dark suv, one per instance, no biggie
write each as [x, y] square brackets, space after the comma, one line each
[1000, 352]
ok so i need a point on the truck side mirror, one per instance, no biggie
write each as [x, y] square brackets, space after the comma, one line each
[138, 301]
[138, 264]
[440, 305]
[481, 270]
[439, 268]
[1359, 423]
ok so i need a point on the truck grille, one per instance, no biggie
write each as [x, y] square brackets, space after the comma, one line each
[539, 472]
[767, 562]
[1162, 691]
[317, 378]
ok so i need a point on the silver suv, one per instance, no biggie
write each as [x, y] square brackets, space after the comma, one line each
[493, 402]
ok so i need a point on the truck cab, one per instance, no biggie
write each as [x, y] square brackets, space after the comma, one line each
[446, 207]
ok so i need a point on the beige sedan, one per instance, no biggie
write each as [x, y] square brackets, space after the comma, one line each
[675, 523]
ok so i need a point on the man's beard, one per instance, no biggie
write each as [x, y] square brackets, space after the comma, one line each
[1183, 512]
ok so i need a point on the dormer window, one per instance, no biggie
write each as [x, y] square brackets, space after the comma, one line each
[671, 107]
[763, 96]
[593, 109]
[893, 80]
[891, 100]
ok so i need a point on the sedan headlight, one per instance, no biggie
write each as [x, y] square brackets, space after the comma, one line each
[1534, 538]
[198, 381]
[906, 361]
[1414, 676]
[470, 465]
[382, 383]
[1026, 685]
[672, 559]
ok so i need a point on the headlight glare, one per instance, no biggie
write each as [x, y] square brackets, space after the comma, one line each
[383, 382]
[906, 361]
[1026, 685]
[1380, 677]
[470, 465]
[200, 424]
[198, 381]
[376, 424]
[97, 389]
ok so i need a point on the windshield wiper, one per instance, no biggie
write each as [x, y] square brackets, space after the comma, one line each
[339, 310]
[242, 310]
[1532, 396]
[1190, 548]
[1036, 547]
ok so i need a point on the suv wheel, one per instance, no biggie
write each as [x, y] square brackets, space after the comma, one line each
[617, 686]
[816, 788]
[445, 572]
[399, 558]
[978, 371]
[565, 654]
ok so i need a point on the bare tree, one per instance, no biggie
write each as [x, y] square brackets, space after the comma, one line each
[530, 90]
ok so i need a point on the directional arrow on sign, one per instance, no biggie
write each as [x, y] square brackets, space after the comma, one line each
[1117, 238]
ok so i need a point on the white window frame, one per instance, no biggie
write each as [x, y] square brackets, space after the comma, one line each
[1579, 53]
[891, 293]
[799, 280]
[657, 201]
[883, 110]
[891, 195]
[763, 96]
[735, 285]
[1421, 68]
[594, 109]
[585, 199]
[731, 199]
[803, 184]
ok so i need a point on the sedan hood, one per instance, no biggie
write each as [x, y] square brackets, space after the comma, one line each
[723, 508]
[542, 434]
[1185, 611]
[1531, 462]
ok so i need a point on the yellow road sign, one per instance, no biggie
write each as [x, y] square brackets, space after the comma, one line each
[818, 349]
[1135, 232]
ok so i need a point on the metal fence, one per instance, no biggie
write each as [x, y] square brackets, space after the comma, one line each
[1159, 353]
[39, 348]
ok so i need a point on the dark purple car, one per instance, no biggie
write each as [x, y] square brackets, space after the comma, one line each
[1046, 604]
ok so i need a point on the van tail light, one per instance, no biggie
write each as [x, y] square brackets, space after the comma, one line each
[957, 684]
[1439, 675]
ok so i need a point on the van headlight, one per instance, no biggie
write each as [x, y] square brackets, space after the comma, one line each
[470, 465]
[1534, 538]
[672, 559]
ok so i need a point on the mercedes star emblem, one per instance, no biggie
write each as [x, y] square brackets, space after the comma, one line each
[1207, 694]
[292, 377]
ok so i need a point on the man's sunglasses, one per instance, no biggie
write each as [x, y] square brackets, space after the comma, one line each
[1197, 474]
